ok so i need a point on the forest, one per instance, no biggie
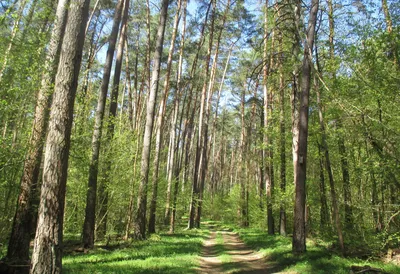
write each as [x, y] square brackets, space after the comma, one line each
[130, 127]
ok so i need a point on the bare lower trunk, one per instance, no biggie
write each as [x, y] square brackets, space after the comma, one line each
[267, 153]
[160, 125]
[88, 234]
[47, 250]
[175, 167]
[282, 146]
[299, 233]
[194, 204]
[140, 218]
[18, 248]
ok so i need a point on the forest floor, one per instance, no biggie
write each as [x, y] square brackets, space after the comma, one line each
[215, 248]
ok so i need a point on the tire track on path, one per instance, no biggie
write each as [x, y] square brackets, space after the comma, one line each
[233, 256]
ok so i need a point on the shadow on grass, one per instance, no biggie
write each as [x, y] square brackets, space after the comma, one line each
[123, 269]
[278, 251]
[165, 253]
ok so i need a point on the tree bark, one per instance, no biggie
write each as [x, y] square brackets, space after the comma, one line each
[282, 140]
[244, 217]
[195, 185]
[174, 170]
[47, 250]
[140, 218]
[299, 233]
[159, 127]
[88, 233]
[267, 152]
[18, 247]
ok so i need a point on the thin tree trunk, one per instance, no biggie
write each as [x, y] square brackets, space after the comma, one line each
[201, 147]
[88, 233]
[324, 147]
[294, 98]
[336, 214]
[195, 185]
[47, 250]
[242, 160]
[348, 211]
[12, 37]
[210, 90]
[140, 218]
[91, 16]
[214, 181]
[324, 213]
[103, 192]
[282, 141]
[299, 233]
[174, 170]
[159, 126]
[267, 159]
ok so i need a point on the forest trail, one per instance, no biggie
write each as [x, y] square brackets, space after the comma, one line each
[225, 252]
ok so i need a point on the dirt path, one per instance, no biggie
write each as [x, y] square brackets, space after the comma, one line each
[231, 256]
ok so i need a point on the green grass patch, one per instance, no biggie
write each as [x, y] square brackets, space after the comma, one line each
[161, 253]
[317, 259]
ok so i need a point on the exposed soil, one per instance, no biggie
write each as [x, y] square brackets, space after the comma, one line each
[238, 257]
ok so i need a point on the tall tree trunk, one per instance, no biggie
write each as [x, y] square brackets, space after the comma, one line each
[335, 206]
[282, 140]
[294, 97]
[267, 159]
[159, 127]
[201, 148]
[210, 90]
[299, 233]
[174, 170]
[194, 214]
[47, 250]
[242, 160]
[214, 180]
[88, 233]
[140, 218]
[18, 247]
[103, 192]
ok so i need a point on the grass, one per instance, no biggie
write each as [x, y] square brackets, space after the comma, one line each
[179, 253]
[220, 249]
[161, 253]
[317, 259]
